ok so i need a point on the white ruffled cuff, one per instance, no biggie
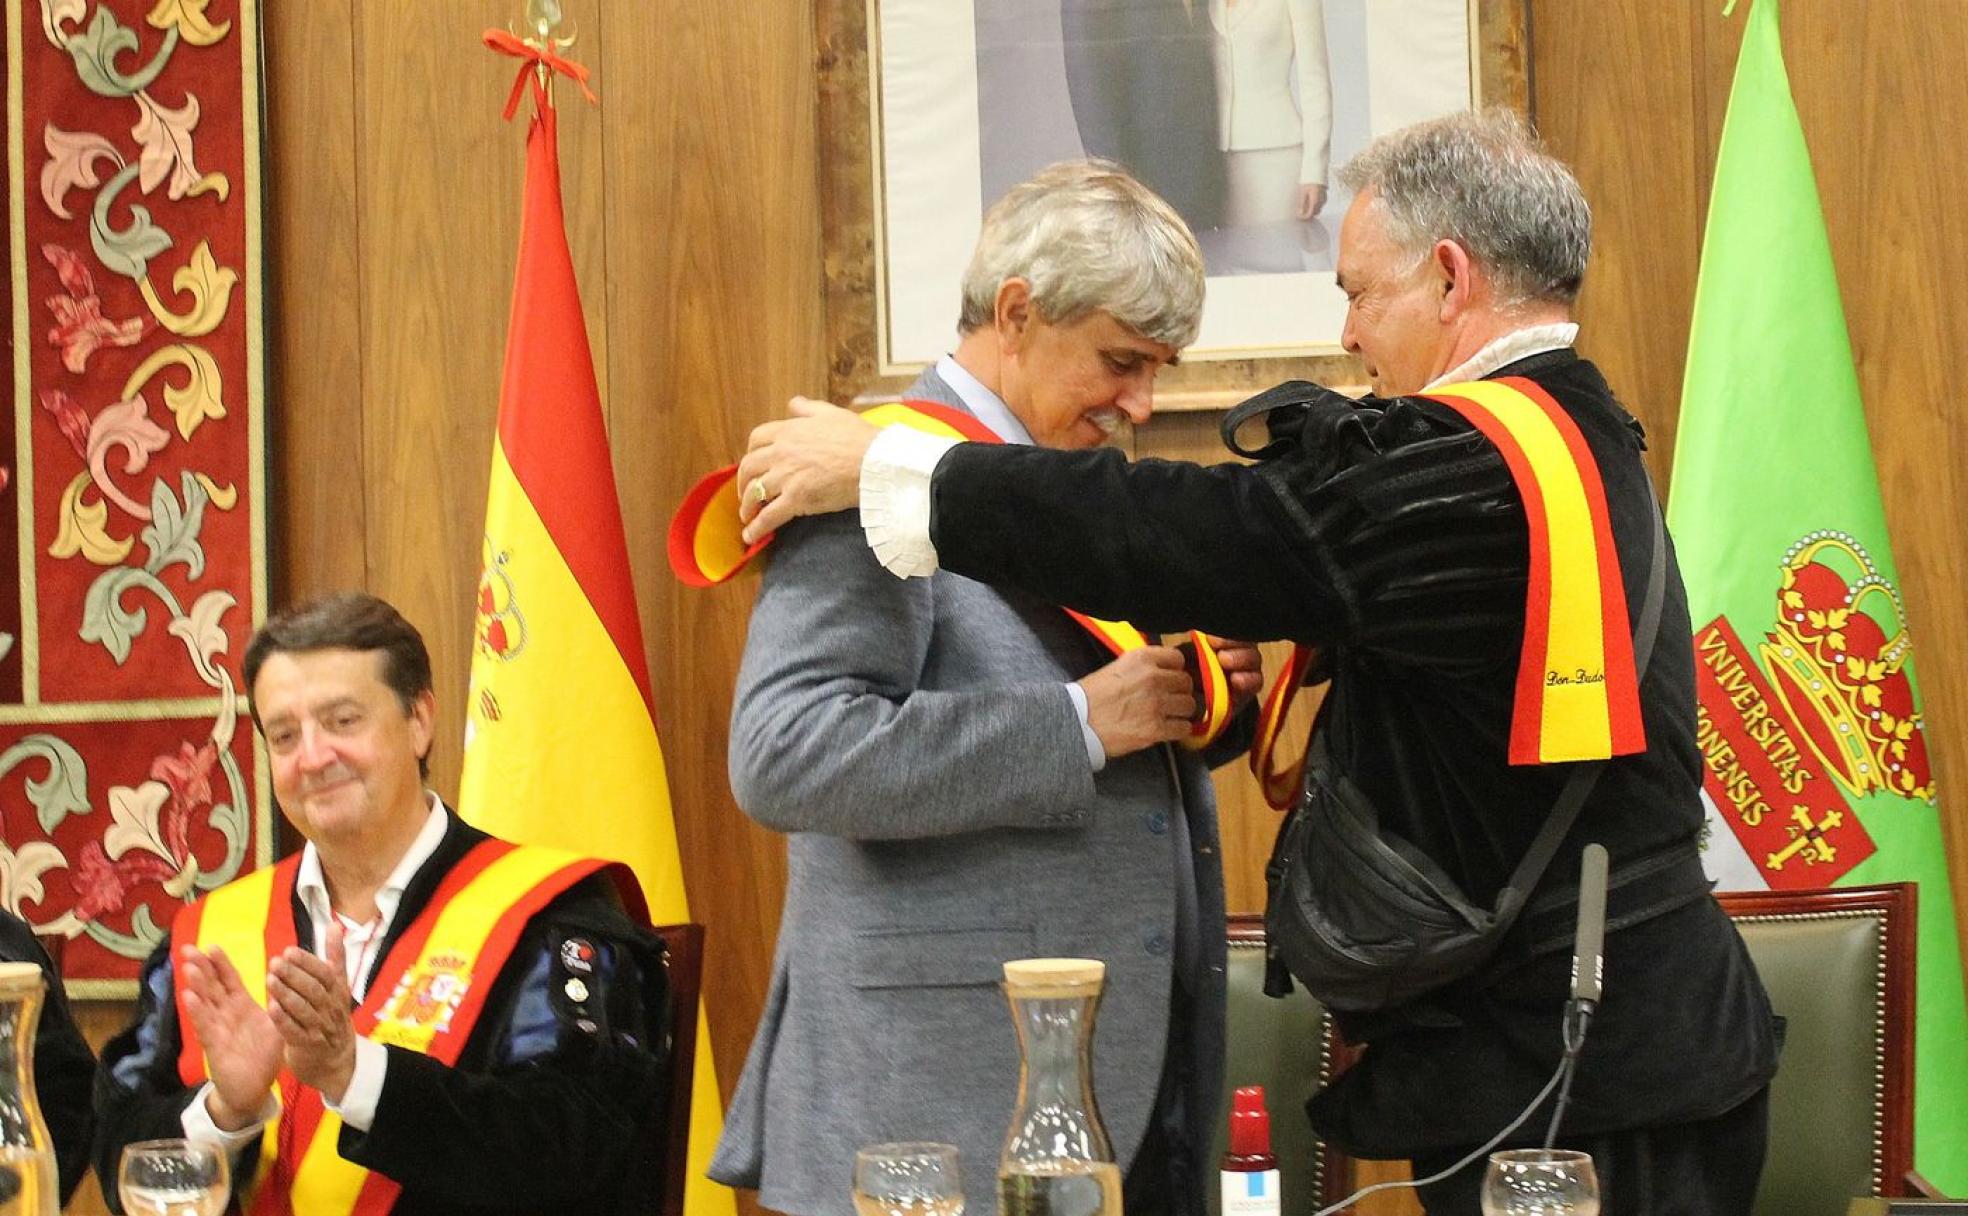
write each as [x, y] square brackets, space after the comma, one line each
[895, 477]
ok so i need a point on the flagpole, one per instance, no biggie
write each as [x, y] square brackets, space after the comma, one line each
[543, 18]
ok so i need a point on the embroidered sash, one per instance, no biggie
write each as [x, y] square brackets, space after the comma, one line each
[426, 997]
[1577, 694]
[705, 549]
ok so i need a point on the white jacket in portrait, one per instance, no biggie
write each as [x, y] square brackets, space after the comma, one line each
[1257, 44]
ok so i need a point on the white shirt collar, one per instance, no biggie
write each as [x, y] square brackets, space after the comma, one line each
[1518, 344]
[312, 884]
[986, 406]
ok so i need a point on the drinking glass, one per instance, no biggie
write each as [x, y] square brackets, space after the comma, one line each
[173, 1178]
[1540, 1182]
[907, 1180]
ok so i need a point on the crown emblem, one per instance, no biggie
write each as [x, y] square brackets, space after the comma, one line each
[500, 629]
[1838, 657]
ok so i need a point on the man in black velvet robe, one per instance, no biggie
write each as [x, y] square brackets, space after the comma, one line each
[1390, 534]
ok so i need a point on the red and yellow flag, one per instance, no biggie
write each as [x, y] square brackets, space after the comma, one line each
[561, 745]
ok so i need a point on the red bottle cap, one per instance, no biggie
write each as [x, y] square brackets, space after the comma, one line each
[1250, 1123]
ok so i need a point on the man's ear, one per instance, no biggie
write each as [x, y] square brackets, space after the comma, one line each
[1457, 273]
[423, 723]
[1015, 312]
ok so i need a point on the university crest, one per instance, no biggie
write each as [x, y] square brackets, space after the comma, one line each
[1819, 713]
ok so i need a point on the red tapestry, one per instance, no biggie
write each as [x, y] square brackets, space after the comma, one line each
[134, 470]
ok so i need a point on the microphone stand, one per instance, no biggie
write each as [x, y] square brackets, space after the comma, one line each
[1588, 975]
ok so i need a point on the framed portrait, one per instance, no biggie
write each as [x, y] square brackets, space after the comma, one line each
[1238, 112]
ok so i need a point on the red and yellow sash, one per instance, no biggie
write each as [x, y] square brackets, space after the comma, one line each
[706, 549]
[426, 997]
[1578, 697]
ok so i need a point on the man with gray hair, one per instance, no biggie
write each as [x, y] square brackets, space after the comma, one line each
[1464, 550]
[966, 776]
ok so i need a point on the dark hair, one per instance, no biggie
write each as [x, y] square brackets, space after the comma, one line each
[347, 620]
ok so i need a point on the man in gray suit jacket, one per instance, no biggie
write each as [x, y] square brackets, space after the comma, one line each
[966, 778]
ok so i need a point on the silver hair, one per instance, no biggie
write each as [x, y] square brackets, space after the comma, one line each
[1484, 180]
[1089, 238]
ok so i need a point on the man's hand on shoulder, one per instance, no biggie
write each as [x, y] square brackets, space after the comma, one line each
[809, 464]
[1140, 699]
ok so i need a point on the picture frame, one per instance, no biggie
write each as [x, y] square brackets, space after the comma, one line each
[893, 261]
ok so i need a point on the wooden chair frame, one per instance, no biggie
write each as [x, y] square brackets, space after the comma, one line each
[683, 952]
[1895, 906]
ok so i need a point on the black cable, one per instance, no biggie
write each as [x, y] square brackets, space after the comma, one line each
[1577, 1014]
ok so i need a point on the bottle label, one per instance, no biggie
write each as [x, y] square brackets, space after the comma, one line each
[1252, 1194]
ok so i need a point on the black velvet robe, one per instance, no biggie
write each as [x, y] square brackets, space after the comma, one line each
[576, 1124]
[1389, 534]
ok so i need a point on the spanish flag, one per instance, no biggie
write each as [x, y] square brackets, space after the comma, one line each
[561, 745]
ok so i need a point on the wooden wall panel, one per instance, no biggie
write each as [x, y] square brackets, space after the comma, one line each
[713, 289]
[316, 347]
[1627, 134]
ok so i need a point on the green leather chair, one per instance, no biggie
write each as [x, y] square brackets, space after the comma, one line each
[1287, 1047]
[1839, 967]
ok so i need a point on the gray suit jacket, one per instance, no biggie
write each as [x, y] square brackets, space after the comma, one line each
[914, 740]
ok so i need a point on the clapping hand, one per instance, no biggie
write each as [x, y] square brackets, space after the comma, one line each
[310, 1007]
[243, 1051]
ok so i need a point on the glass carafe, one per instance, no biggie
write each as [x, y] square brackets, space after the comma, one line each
[26, 1149]
[1057, 1160]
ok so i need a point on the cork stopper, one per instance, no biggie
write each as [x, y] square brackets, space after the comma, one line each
[1054, 977]
[18, 980]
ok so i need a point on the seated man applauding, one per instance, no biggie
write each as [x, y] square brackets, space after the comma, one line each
[408, 1015]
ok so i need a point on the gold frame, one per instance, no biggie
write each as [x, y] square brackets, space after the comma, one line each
[850, 219]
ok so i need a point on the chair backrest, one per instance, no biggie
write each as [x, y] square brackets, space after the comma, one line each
[683, 949]
[1287, 1046]
[1839, 967]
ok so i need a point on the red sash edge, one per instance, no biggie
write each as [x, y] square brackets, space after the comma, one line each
[1625, 727]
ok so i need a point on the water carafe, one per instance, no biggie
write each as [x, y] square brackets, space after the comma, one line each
[26, 1149]
[1057, 1160]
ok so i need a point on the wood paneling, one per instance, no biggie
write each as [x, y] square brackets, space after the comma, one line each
[714, 317]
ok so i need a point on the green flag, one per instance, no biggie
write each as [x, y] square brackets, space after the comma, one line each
[1811, 731]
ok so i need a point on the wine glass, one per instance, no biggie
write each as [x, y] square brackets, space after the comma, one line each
[173, 1178]
[907, 1180]
[1540, 1182]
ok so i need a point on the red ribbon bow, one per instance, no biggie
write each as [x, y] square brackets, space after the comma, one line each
[507, 43]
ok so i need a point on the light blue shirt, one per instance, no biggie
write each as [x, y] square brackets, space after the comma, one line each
[989, 408]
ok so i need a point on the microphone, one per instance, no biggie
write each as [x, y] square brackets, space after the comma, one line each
[1589, 943]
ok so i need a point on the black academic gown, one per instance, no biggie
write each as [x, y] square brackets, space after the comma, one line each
[555, 1105]
[64, 1067]
[1389, 534]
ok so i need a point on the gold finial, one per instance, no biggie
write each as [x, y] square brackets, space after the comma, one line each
[542, 16]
